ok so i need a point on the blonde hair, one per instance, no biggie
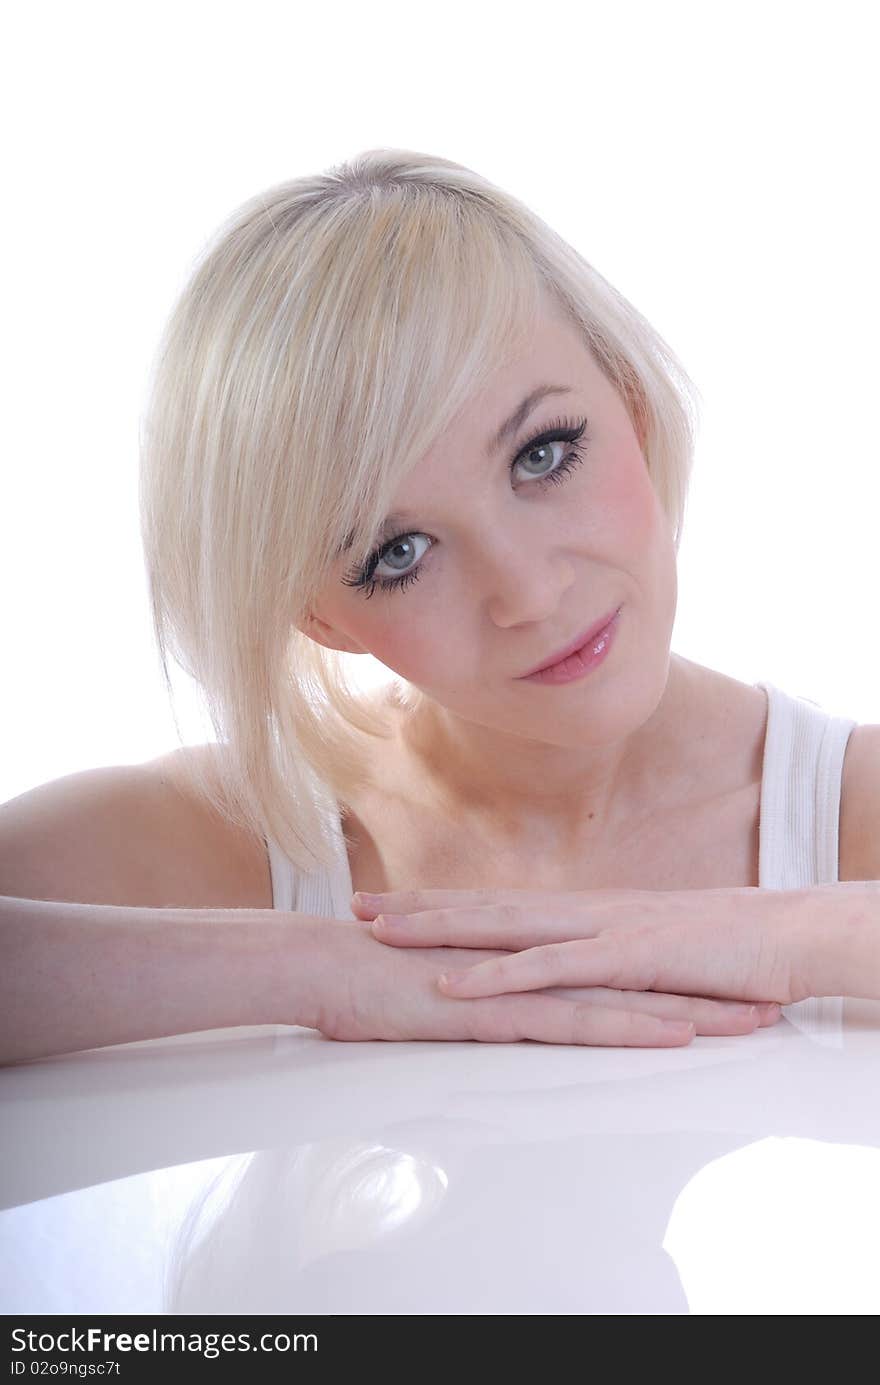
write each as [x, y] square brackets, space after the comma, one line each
[329, 332]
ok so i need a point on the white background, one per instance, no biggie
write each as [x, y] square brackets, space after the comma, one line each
[717, 163]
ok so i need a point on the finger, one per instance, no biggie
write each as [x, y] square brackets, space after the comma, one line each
[709, 1016]
[770, 1012]
[585, 962]
[510, 926]
[546, 1019]
[419, 901]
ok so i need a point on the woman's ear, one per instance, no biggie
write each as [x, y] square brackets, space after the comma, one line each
[327, 635]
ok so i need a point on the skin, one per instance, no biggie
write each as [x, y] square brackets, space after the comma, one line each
[514, 572]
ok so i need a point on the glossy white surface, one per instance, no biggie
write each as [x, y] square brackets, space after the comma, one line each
[271, 1170]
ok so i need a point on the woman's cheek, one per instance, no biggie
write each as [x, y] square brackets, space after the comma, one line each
[410, 644]
[626, 511]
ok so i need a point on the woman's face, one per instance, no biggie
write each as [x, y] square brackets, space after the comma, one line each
[502, 570]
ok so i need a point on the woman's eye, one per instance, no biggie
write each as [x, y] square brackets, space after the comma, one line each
[400, 554]
[544, 452]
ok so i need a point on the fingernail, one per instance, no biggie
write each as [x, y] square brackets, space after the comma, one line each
[772, 1012]
[451, 978]
[390, 920]
[368, 900]
[745, 1009]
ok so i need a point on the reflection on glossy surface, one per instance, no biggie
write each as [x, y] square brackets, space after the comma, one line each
[274, 1171]
[785, 1226]
[358, 1193]
[289, 1210]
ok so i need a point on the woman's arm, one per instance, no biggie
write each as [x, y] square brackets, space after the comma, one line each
[752, 943]
[842, 955]
[76, 976]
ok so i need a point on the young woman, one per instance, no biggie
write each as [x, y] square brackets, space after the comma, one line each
[394, 413]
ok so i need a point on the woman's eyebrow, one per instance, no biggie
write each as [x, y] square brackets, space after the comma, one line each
[520, 414]
[508, 428]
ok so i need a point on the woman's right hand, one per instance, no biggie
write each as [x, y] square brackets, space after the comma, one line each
[370, 991]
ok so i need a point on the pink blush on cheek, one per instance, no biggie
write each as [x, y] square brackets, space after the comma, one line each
[414, 654]
[625, 508]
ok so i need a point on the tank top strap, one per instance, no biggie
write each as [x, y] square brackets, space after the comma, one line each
[804, 750]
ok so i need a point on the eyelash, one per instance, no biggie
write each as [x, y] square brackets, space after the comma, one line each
[560, 430]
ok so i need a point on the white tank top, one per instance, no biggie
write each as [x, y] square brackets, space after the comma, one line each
[804, 749]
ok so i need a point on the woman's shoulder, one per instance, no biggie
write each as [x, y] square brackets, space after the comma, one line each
[130, 834]
[207, 860]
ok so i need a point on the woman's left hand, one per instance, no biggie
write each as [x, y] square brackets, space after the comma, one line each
[746, 944]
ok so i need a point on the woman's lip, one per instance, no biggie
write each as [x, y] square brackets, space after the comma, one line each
[575, 644]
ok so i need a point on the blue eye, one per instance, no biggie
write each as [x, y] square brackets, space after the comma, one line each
[560, 431]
